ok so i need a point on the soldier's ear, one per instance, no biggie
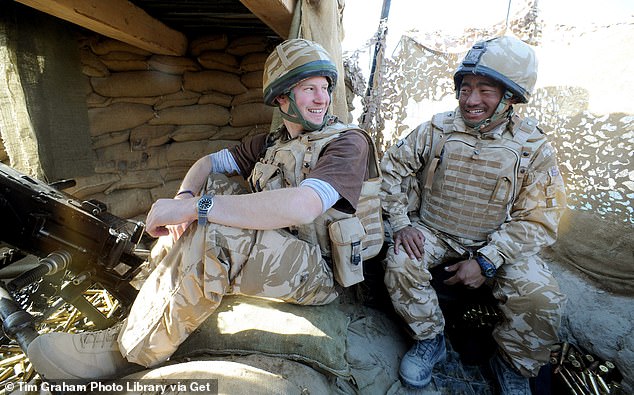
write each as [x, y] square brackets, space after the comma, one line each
[281, 100]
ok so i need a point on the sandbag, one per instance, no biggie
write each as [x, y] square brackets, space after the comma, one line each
[137, 179]
[150, 101]
[175, 173]
[124, 61]
[239, 133]
[599, 248]
[219, 61]
[137, 84]
[91, 185]
[194, 132]
[249, 44]
[251, 114]
[218, 98]
[127, 203]
[237, 375]
[182, 98]
[253, 95]
[91, 65]
[172, 64]
[186, 153]
[253, 62]
[118, 116]
[95, 100]
[213, 80]
[110, 138]
[315, 335]
[214, 42]
[145, 136]
[126, 65]
[192, 115]
[252, 79]
[120, 159]
[168, 189]
[103, 45]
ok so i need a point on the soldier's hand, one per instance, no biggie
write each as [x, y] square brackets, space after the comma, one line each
[467, 272]
[176, 231]
[412, 240]
[166, 212]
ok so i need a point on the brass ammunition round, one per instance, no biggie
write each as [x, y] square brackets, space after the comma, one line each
[576, 364]
[608, 365]
[593, 366]
[589, 358]
[603, 370]
[564, 350]
[602, 385]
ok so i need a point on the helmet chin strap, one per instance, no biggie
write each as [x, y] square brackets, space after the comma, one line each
[295, 116]
[498, 114]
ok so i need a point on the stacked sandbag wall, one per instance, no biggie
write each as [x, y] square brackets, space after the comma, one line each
[152, 116]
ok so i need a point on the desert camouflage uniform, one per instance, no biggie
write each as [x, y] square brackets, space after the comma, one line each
[207, 263]
[499, 194]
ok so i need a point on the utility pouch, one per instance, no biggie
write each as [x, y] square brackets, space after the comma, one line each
[346, 236]
[263, 174]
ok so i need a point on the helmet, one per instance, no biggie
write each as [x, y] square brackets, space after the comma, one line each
[293, 61]
[506, 60]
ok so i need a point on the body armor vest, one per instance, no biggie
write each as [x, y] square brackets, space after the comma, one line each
[288, 163]
[471, 181]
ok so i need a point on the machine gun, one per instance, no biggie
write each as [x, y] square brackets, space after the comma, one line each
[53, 247]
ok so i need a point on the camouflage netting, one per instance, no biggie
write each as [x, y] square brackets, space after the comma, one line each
[594, 146]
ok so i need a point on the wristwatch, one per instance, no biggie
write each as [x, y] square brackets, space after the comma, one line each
[205, 203]
[488, 269]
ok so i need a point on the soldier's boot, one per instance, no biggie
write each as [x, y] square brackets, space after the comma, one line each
[88, 355]
[417, 364]
[509, 380]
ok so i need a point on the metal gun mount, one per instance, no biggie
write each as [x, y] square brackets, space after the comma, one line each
[54, 246]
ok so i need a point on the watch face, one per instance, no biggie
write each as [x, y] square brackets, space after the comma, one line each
[204, 203]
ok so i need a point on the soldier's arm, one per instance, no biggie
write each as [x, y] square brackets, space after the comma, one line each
[535, 214]
[400, 161]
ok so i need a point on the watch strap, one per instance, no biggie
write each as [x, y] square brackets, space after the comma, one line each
[205, 203]
[488, 269]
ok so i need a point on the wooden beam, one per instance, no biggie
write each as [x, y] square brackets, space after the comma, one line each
[118, 19]
[277, 14]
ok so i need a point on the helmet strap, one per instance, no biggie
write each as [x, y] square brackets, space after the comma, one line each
[295, 116]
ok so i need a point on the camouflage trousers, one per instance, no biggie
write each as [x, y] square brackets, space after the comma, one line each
[206, 263]
[528, 295]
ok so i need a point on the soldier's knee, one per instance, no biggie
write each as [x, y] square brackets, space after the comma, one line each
[401, 271]
[545, 301]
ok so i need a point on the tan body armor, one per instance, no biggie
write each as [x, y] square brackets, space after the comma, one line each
[471, 182]
[338, 234]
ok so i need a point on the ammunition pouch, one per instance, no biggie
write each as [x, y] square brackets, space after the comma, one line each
[346, 236]
[266, 173]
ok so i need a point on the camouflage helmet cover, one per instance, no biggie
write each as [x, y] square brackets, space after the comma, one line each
[506, 60]
[293, 61]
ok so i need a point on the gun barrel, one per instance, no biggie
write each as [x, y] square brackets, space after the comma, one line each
[17, 323]
[53, 263]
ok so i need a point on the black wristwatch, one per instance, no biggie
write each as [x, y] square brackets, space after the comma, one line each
[488, 269]
[205, 203]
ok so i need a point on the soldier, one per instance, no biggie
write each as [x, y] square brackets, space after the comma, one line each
[486, 195]
[272, 243]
